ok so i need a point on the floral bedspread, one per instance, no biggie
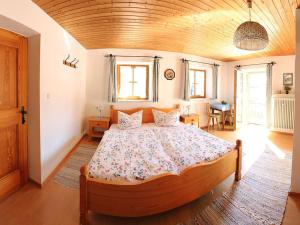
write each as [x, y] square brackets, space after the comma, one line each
[141, 153]
[188, 145]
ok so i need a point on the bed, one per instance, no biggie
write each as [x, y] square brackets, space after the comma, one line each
[164, 179]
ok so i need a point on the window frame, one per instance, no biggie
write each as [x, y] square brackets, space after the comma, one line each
[130, 98]
[198, 70]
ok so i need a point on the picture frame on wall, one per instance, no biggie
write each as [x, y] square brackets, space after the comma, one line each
[288, 79]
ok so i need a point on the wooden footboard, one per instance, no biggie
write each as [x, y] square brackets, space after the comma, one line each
[157, 194]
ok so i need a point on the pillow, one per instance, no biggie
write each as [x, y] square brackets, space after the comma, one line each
[126, 121]
[163, 119]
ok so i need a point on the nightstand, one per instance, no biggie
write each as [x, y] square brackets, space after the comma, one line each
[191, 119]
[97, 126]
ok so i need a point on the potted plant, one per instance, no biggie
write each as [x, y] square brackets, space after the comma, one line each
[287, 89]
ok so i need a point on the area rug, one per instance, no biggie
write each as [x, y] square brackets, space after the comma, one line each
[69, 173]
[259, 198]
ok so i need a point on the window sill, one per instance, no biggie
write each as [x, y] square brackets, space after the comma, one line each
[198, 99]
[134, 100]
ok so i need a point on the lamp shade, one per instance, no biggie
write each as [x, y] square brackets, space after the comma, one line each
[251, 36]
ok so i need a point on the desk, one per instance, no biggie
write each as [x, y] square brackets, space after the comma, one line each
[223, 108]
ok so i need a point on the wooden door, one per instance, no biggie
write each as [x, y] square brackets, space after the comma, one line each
[13, 97]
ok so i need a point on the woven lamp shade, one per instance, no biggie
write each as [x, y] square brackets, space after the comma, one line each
[251, 36]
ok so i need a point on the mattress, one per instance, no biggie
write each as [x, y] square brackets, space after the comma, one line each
[148, 151]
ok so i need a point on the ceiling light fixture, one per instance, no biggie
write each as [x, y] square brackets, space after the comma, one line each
[250, 35]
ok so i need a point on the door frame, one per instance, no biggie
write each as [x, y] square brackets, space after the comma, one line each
[234, 97]
[8, 183]
[235, 94]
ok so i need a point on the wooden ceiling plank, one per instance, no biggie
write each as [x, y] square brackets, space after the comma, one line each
[293, 6]
[201, 27]
[90, 13]
[283, 11]
[240, 7]
[180, 6]
[169, 24]
[150, 24]
[291, 19]
[269, 6]
[260, 16]
[182, 21]
[240, 12]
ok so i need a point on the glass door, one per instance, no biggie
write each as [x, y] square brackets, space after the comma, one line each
[251, 97]
[256, 107]
[239, 99]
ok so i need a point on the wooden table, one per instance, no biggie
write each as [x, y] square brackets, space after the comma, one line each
[223, 108]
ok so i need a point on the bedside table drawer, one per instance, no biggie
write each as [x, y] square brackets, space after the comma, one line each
[97, 126]
[102, 124]
[196, 124]
[191, 120]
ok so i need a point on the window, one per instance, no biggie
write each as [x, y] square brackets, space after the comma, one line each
[133, 82]
[197, 83]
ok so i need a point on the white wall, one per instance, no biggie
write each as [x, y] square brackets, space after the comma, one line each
[295, 186]
[62, 89]
[170, 92]
[284, 64]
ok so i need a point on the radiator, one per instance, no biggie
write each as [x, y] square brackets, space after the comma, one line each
[283, 109]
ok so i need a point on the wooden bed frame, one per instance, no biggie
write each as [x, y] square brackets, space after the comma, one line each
[157, 194]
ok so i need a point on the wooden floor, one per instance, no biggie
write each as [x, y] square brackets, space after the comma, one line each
[55, 204]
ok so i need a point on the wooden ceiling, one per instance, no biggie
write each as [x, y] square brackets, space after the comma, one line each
[199, 27]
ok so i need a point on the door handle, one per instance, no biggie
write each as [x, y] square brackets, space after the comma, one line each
[23, 112]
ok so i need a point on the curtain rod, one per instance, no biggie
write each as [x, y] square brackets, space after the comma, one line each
[212, 64]
[134, 56]
[272, 63]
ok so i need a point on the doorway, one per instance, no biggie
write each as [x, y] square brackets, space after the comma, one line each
[251, 98]
[13, 107]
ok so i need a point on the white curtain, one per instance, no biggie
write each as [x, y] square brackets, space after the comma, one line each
[155, 81]
[215, 69]
[186, 83]
[269, 94]
[112, 86]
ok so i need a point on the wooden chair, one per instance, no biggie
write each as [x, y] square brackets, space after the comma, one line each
[229, 116]
[212, 117]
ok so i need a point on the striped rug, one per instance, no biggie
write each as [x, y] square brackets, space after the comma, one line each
[69, 173]
[259, 198]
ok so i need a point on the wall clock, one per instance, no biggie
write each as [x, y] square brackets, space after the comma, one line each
[169, 74]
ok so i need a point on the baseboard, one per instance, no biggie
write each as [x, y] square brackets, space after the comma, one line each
[35, 183]
[58, 167]
[282, 132]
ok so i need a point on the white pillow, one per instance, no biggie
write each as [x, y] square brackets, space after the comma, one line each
[126, 121]
[170, 119]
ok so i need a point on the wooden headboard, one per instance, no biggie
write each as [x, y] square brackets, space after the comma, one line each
[147, 113]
